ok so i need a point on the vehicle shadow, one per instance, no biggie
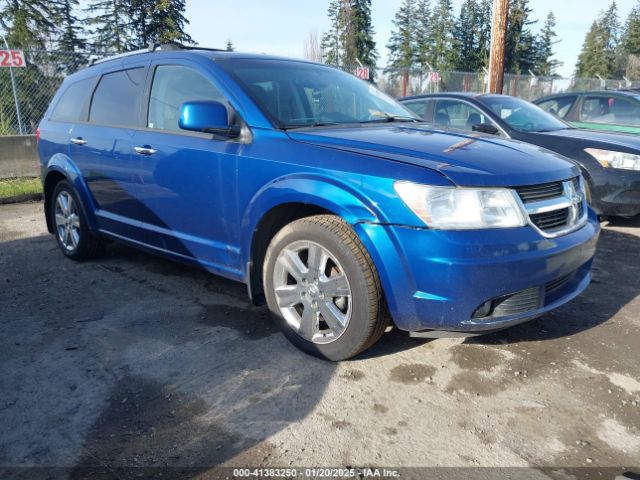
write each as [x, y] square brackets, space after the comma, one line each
[134, 367]
[617, 252]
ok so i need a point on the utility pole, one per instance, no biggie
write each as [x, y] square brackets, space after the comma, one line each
[498, 41]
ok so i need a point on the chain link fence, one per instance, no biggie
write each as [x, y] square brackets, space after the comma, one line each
[25, 92]
[405, 82]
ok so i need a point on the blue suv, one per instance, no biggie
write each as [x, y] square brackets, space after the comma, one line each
[332, 202]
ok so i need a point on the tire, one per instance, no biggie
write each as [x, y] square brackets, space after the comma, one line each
[70, 225]
[339, 295]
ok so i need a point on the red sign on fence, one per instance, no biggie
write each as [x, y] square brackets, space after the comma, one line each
[12, 58]
[363, 73]
[434, 77]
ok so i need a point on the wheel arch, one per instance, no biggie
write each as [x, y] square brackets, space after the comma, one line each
[286, 200]
[60, 167]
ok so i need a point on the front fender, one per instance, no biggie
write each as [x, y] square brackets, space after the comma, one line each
[62, 164]
[322, 191]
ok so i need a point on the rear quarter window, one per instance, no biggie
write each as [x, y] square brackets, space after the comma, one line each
[71, 104]
[116, 99]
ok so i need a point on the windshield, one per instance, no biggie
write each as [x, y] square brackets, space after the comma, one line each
[523, 116]
[296, 94]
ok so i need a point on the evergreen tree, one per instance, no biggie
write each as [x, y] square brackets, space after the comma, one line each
[27, 23]
[545, 64]
[230, 46]
[332, 40]
[484, 32]
[600, 54]
[167, 21]
[442, 23]
[520, 52]
[423, 34]
[359, 43]
[630, 41]
[466, 41]
[71, 28]
[591, 61]
[350, 37]
[402, 48]
[70, 34]
[109, 25]
[139, 14]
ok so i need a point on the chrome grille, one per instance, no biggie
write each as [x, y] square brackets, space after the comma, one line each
[533, 193]
[550, 220]
[554, 208]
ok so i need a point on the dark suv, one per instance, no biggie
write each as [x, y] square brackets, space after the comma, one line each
[328, 199]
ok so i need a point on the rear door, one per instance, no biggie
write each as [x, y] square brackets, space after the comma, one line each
[188, 185]
[102, 146]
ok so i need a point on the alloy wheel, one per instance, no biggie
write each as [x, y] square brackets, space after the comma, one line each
[312, 291]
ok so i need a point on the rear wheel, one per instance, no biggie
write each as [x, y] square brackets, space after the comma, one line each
[70, 225]
[323, 289]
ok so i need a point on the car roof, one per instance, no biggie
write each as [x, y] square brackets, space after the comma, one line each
[444, 94]
[622, 92]
[460, 95]
[174, 51]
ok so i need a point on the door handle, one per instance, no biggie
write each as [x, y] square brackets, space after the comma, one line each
[144, 150]
[78, 141]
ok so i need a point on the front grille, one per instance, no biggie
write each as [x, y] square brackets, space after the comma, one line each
[521, 302]
[554, 207]
[543, 191]
[550, 220]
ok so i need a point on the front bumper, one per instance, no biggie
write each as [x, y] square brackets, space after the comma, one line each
[436, 280]
[615, 192]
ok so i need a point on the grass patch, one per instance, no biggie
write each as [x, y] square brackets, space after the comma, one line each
[15, 187]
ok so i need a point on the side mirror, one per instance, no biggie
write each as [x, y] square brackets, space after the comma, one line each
[485, 128]
[207, 116]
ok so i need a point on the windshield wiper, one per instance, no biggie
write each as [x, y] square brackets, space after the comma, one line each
[391, 118]
[308, 125]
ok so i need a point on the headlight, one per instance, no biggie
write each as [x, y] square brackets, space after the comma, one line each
[462, 208]
[612, 159]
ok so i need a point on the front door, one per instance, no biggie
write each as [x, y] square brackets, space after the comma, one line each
[188, 180]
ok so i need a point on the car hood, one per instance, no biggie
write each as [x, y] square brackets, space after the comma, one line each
[466, 159]
[626, 141]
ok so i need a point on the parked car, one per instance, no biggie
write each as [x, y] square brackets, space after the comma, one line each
[610, 162]
[613, 111]
[327, 198]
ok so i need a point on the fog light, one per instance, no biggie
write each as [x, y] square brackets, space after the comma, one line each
[483, 310]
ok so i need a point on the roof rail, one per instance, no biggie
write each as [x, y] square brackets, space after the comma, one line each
[153, 47]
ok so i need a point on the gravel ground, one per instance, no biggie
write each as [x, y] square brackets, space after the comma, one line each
[134, 361]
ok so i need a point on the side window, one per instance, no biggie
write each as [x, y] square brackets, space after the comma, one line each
[172, 86]
[71, 103]
[458, 114]
[625, 111]
[597, 109]
[558, 106]
[116, 98]
[419, 107]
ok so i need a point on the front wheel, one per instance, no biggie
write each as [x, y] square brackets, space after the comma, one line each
[323, 288]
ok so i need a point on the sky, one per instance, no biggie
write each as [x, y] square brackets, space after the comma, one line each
[279, 27]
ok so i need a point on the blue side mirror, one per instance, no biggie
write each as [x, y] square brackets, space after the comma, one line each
[207, 116]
